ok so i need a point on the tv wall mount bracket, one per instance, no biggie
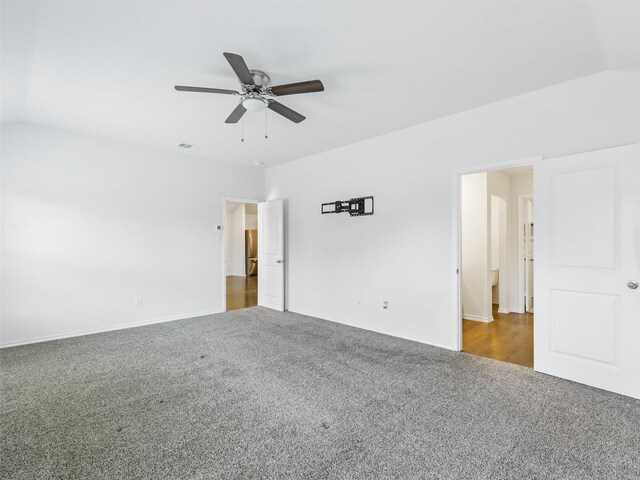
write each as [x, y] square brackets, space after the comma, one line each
[357, 207]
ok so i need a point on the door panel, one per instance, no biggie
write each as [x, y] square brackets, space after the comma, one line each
[589, 190]
[271, 254]
[587, 249]
[584, 325]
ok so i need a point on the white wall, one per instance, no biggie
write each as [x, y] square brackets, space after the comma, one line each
[228, 242]
[499, 186]
[90, 224]
[483, 243]
[251, 221]
[342, 268]
[495, 232]
[475, 255]
[237, 241]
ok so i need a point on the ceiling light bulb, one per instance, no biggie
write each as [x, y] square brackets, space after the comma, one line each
[254, 104]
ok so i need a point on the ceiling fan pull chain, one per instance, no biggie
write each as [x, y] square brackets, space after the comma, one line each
[266, 125]
[242, 128]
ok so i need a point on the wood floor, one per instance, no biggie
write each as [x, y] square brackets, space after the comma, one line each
[508, 338]
[242, 292]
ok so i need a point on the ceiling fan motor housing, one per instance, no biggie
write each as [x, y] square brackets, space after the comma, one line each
[252, 100]
[260, 78]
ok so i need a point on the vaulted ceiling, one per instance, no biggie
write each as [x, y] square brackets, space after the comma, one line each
[108, 67]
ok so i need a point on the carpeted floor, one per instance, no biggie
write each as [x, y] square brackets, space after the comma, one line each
[260, 394]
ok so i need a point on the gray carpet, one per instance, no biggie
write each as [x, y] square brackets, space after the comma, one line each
[259, 394]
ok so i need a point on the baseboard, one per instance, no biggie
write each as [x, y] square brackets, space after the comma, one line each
[417, 340]
[504, 310]
[123, 326]
[476, 318]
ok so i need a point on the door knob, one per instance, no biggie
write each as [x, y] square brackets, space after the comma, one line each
[632, 284]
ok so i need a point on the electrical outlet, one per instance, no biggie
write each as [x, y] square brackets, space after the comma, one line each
[138, 302]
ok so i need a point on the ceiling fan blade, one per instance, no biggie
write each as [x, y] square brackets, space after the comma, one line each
[240, 67]
[300, 87]
[236, 115]
[181, 88]
[286, 111]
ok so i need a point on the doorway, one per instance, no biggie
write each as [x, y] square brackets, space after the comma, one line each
[496, 264]
[241, 254]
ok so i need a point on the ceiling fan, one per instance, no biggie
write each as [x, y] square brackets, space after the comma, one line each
[257, 91]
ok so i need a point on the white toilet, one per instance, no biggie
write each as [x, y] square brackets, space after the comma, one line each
[494, 277]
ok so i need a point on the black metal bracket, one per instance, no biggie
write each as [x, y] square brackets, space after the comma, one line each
[356, 207]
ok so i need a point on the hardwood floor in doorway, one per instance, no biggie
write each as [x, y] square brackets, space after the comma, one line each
[508, 338]
[242, 292]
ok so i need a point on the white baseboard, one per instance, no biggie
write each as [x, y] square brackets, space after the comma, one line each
[476, 318]
[412, 339]
[108, 329]
[504, 310]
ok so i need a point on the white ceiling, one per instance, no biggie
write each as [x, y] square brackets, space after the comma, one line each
[108, 67]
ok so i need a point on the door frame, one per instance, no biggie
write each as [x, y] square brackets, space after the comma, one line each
[224, 241]
[456, 319]
[521, 269]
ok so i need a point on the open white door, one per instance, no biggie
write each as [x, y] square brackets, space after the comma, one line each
[587, 260]
[528, 256]
[271, 254]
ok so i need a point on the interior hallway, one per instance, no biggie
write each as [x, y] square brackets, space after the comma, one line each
[508, 338]
[242, 292]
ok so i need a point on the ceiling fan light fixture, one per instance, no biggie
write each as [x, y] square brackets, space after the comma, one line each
[254, 103]
[255, 85]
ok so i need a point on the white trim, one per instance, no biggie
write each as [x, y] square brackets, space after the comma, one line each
[520, 162]
[122, 326]
[504, 310]
[241, 200]
[456, 263]
[224, 242]
[456, 228]
[476, 318]
[381, 332]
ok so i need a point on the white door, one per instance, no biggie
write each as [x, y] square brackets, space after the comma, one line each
[587, 258]
[271, 254]
[528, 255]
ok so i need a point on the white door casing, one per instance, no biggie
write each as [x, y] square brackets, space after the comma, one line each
[587, 322]
[271, 254]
